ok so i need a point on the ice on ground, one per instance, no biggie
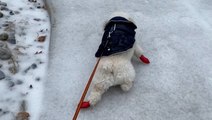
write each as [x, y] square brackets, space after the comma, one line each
[176, 36]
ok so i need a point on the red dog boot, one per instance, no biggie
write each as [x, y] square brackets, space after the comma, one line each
[144, 59]
[85, 104]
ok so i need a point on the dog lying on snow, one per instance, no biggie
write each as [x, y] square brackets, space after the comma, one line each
[116, 50]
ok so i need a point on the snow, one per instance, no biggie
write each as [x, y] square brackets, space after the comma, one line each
[176, 36]
[27, 32]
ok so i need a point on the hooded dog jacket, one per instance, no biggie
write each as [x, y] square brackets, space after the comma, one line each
[119, 36]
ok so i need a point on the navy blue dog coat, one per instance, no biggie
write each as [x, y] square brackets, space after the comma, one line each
[119, 36]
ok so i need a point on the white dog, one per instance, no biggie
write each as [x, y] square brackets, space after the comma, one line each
[115, 67]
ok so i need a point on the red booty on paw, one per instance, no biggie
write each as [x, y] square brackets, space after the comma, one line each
[85, 105]
[144, 59]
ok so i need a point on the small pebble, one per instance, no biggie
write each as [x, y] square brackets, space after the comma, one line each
[30, 86]
[37, 79]
[22, 116]
[1, 14]
[4, 8]
[11, 38]
[33, 66]
[26, 70]
[19, 82]
[16, 12]
[4, 36]
[3, 3]
[12, 13]
[5, 112]
[41, 38]
[32, 0]
[5, 52]
[2, 75]
[20, 8]
[8, 78]
[13, 70]
[39, 52]
[11, 84]
[24, 94]
[37, 19]
[5, 25]
[38, 7]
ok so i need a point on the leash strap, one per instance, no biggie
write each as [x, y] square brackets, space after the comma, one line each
[86, 90]
[91, 77]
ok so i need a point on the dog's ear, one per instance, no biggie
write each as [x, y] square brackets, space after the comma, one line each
[131, 20]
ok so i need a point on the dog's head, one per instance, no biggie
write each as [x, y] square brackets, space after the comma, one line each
[120, 14]
[119, 35]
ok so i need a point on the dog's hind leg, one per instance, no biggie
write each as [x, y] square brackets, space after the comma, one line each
[97, 92]
[126, 75]
[100, 86]
[127, 85]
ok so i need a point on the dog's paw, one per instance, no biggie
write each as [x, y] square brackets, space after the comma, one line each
[126, 87]
[85, 104]
[94, 98]
[144, 59]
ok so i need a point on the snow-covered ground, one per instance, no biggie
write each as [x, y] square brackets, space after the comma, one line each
[22, 75]
[177, 37]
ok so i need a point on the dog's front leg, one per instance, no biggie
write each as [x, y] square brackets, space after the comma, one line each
[139, 54]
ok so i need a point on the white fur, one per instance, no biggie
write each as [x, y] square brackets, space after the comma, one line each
[114, 70]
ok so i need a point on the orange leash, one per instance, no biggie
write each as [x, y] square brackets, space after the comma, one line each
[91, 77]
[86, 90]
